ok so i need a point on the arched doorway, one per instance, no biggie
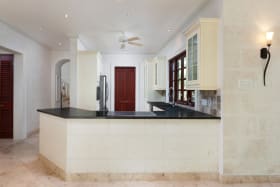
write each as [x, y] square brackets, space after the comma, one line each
[62, 83]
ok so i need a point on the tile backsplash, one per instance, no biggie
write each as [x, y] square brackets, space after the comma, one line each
[209, 102]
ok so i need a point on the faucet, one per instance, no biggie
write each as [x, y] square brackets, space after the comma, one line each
[171, 90]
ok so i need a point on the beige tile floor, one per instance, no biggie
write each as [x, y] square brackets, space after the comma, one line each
[19, 166]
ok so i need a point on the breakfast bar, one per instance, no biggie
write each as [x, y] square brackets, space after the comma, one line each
[81, 144]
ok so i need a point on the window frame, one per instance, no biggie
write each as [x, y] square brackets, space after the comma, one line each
[185, 95]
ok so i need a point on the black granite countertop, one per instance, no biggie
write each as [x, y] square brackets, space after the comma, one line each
[177, 112]
[170, 113]
[73, 113]
[161, 105]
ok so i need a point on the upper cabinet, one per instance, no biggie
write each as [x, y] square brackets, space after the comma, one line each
[202, 55]
[150, 94]
[159, 75]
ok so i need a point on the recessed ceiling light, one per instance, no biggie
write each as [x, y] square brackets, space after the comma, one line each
[60, 44]
[66, 16]
[169, 30]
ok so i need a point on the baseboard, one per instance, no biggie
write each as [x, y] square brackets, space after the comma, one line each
[231, 179]
[126, 176]
[53, 167]
[143, 177]
[226, 179]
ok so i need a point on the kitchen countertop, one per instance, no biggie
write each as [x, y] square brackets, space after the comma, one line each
[161, 105]
[169, 113]
[73, 113]
[173, 112]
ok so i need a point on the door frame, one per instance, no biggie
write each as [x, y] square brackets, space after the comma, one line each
[20, 108]
[57, 82]
[124, 67]
[12, 58]
[111, 89]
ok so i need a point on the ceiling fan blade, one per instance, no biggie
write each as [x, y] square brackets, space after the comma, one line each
[136, 44]
[133, 39]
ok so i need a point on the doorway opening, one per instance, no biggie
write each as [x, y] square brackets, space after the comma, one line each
[62, 84]
[125, 88]
[6, 95]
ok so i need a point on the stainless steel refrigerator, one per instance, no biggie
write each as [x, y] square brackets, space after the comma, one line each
[102, 93]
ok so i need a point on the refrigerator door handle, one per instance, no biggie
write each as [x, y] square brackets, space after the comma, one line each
[98, 93]
[107, 91]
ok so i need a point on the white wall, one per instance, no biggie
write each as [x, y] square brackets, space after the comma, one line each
[178, 43]
[56, 56]
[65, 72]
[110, 61]
[251, 111]
[35, 78]
[73, 71]
[87, 78]
[20, 129]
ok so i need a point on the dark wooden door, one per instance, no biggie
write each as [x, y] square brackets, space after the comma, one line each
[6, 96]
[125, 89]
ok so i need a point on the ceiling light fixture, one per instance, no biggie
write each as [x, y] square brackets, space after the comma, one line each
[66, 16]
[60, 44]
[169, 30]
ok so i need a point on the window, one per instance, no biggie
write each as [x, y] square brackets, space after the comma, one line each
[178, 81]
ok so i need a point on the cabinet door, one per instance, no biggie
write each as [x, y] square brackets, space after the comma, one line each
[202, 55]
[192, 54]
[195, 57]
[156, 75]
[159, 80]
[190, 59]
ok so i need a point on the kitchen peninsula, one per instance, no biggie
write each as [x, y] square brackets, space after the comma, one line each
[79, 144]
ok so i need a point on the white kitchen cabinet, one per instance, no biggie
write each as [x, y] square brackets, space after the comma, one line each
[149, 93]
[202, 55]
[159, 73]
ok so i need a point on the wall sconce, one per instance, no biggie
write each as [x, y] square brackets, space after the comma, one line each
[265, 53]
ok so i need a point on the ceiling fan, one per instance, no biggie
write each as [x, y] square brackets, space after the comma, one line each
[131, 41]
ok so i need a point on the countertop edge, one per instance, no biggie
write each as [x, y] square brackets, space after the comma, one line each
[128, 117]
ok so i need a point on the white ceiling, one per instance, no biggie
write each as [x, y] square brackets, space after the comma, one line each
[99, 23]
